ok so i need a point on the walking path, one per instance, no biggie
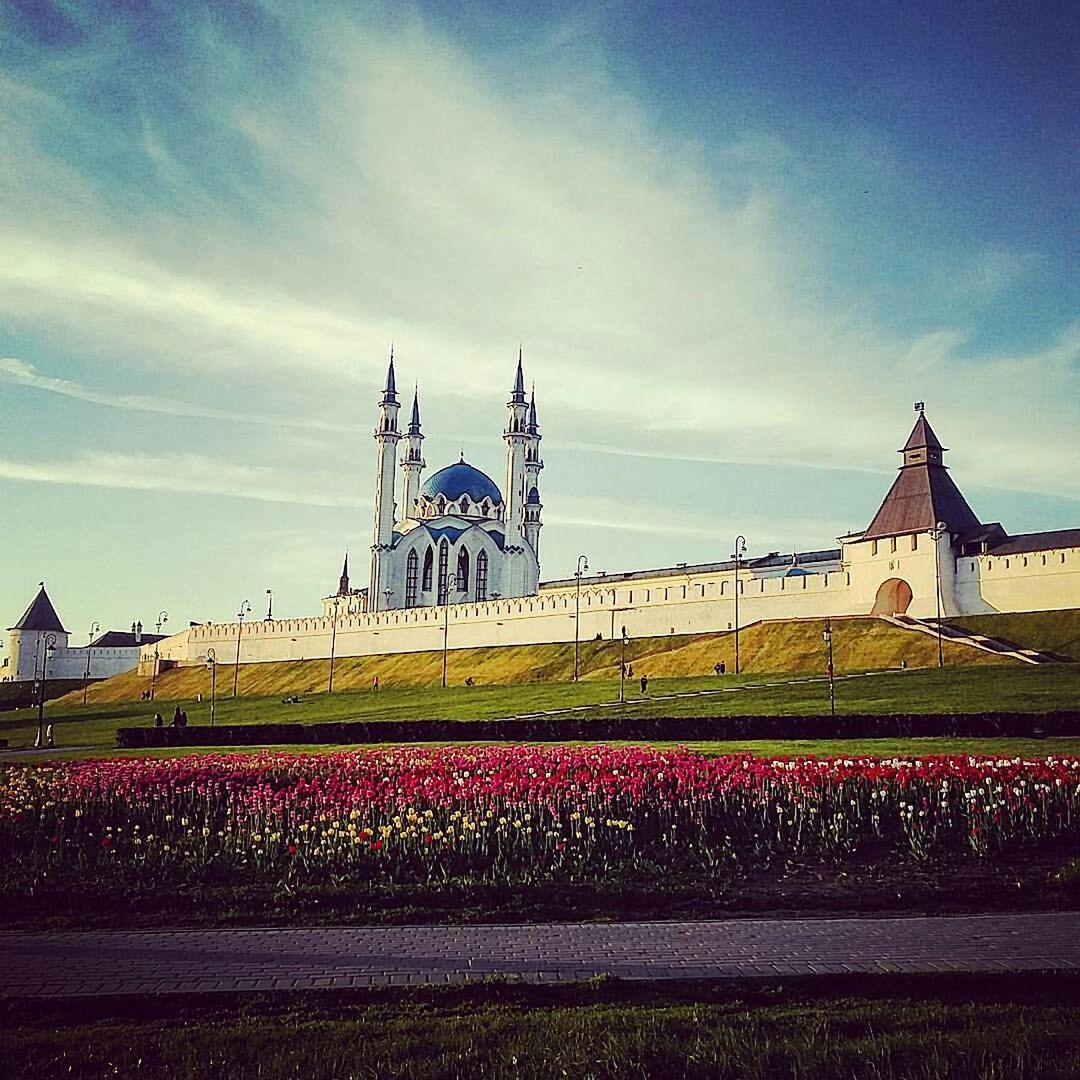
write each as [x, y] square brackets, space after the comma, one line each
[204, 961]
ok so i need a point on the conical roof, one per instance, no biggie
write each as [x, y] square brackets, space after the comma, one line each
[924, 493]
[40, 615]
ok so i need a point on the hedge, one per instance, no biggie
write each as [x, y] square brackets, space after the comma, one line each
[609, 728]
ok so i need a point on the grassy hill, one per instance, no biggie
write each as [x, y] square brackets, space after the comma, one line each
[859, 644]
[1048, 631]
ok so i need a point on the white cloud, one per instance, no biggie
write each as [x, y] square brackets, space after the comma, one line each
[181, 472]
[411, 195]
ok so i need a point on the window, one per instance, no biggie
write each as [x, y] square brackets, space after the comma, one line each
[873, 547]
[411, 567]
[892, 543]
[914, 541]
[444, 559]
[464, 504]
[426, 585]
[463, 570]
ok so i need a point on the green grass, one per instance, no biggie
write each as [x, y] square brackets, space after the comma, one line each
[496, 1032]
[969, 689]
[1048, 631]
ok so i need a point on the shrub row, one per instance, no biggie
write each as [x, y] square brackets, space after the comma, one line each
[609, 728]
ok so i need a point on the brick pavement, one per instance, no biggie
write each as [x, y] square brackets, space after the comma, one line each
[204, 961]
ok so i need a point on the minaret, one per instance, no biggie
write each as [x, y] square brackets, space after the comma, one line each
[517, 437]
[533, 465]
[386, 438]
[412, 465]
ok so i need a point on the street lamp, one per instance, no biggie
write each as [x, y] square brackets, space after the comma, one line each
[245, 609]
[936, 533]
[50, 646]
[333, 644]
[740, 547]
[826, 636]
[95, 626]
[582, 566]
[162, 619]
[622, 667]
[211, 660]
[451, 586]
[269, 606]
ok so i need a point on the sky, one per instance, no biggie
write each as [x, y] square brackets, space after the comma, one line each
[735, 242]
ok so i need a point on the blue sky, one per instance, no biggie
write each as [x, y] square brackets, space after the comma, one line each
[735, 240]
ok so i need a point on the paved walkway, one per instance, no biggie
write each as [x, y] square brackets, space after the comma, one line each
[204, 961]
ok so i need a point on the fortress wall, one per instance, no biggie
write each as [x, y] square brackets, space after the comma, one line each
[1030, 581]
[547, 617]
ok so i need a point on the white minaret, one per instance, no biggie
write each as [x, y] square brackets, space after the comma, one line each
[412, 465]
[386, 437]
[517, 437]
[533, 506]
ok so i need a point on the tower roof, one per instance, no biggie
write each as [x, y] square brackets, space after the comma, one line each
[923, 494]
[534, 427]
[40, 615]
[390, 390]
[414, 420]
[518, 395]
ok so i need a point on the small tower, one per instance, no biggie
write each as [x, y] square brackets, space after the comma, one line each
[31, 636]
[343, 581]
[386, 438]
[412, 465]
[517, 438]
[533, 465]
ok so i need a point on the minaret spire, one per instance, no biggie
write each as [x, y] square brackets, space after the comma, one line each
[412, 464]
[386, 439]
[343, 583]
[518, 395]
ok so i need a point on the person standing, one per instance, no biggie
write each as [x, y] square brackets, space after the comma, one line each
[644, 684]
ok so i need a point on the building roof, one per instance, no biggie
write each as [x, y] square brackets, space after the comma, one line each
[124, 639]
[40, 615]
[773, 559]
[459, 479]
[1040, 541]
[923, 494]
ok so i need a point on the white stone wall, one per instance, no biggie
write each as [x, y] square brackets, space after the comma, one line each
[65, 662]
[655, 606]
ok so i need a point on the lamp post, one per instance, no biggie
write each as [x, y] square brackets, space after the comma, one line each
[826, 636]
[740, 547]
[333, 644]
[50, 646]
[622, 667]
[269, 606]
[245, 609]
[211, 660]
[162, 619]
[95, 626]
[582, 566]
[936, 533]
[451, 586]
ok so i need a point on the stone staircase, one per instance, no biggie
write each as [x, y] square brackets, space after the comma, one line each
[1005, 649]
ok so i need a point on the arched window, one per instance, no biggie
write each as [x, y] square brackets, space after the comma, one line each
[481, 575]
[463, 570]
[444, 559]
[464, 504]
[428, 559]
[411, 567]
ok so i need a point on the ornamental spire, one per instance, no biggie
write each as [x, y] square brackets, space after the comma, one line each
[390, 391]
[518, 396]
[414, 420]
[534, 427]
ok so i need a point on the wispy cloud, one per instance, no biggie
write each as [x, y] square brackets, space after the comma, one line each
[20, 373]
[191, 473]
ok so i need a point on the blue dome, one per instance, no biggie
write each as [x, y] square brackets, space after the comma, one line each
[461, 479]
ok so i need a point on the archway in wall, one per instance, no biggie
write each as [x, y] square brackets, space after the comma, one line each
[893, 597]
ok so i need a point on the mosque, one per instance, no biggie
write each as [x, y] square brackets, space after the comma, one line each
[455, 563]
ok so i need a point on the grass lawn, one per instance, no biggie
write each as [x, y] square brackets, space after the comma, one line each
[970, 689]
[990, 1028]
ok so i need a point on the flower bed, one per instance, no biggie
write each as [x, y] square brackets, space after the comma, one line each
[512, 814]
